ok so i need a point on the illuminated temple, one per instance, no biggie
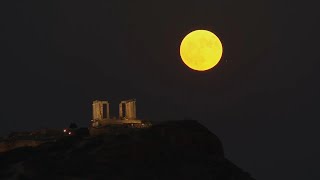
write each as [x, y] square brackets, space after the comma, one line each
[127, 114]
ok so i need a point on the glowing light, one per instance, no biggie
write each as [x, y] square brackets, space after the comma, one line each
[201, 50]
[64, 130]
[69, 133]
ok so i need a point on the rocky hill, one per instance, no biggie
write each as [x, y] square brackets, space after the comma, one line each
[170, 150]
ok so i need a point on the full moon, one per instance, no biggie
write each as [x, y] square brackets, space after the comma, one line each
[201, 50]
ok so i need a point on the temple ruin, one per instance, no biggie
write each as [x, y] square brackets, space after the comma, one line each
[127, 114]
[100, 110]
[127, 109]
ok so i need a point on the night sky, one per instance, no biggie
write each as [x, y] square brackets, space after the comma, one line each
[262, 99]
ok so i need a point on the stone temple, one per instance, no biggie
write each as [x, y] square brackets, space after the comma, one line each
[127, 114]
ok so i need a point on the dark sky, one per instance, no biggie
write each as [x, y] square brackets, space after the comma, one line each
[262, 99]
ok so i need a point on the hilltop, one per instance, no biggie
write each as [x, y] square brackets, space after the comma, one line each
[170, 150]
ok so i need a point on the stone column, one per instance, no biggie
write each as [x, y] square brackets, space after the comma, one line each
[120, 111]
[96, 110]
[100, 110]
[131, 109]
[127, 110]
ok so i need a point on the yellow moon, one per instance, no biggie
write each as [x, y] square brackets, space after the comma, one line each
[201, 50]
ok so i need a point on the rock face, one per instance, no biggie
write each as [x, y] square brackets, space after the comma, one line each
[170, 150]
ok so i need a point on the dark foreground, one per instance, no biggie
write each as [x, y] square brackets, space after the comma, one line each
[172, 150]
